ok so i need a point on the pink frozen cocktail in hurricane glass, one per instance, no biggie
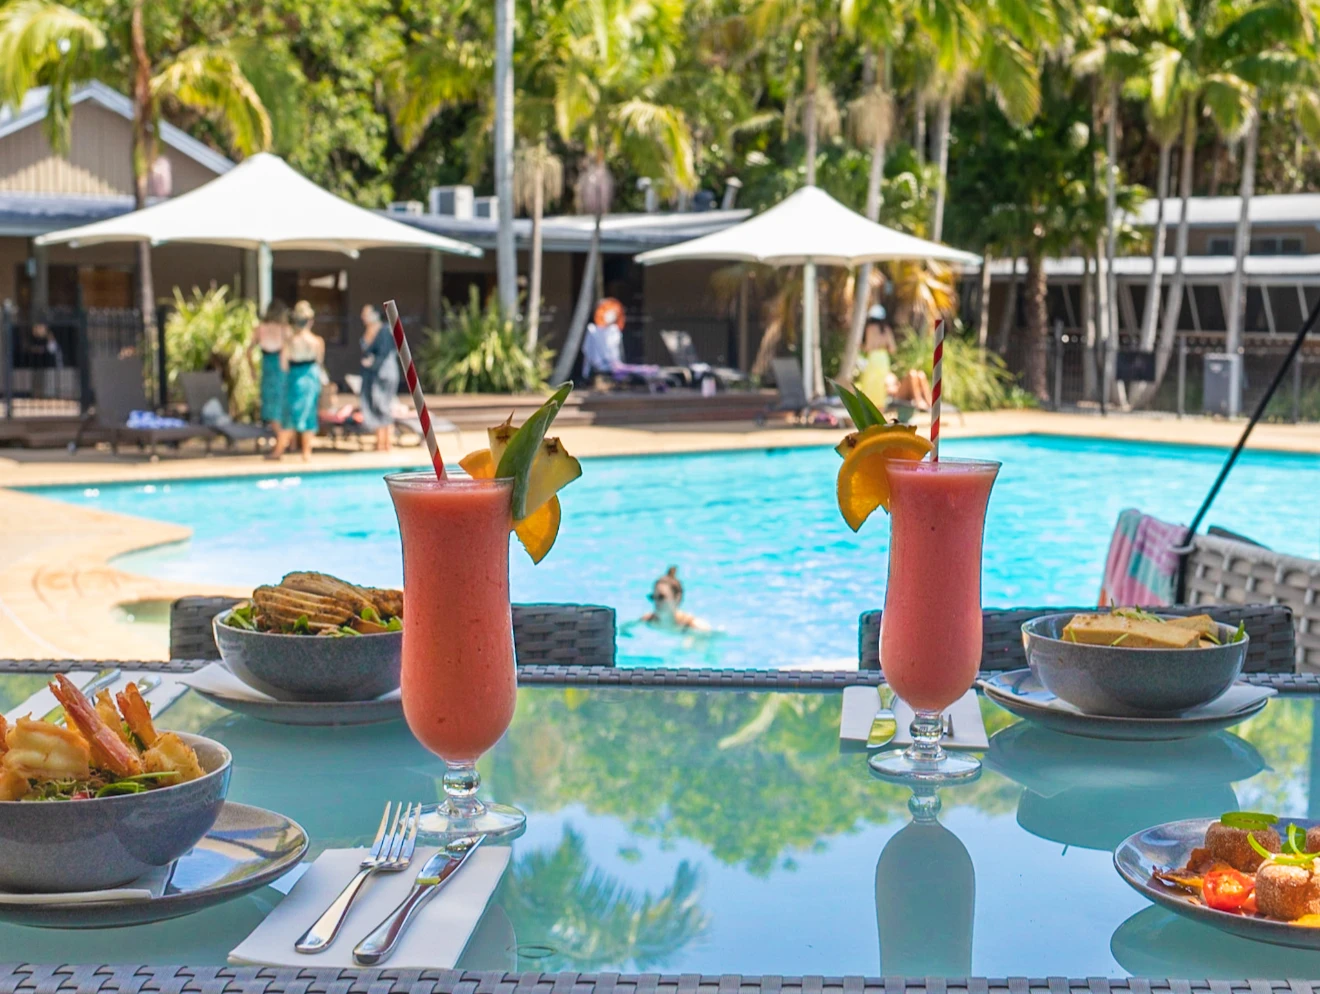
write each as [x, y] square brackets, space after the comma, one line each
[459, 682]
[930, 631]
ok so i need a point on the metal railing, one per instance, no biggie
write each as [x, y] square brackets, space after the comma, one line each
[45, 368]
[1181, 392]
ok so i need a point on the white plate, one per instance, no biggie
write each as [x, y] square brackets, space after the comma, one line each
[247, 848]
[310, 712]
[1020, 693]
[1167, 846]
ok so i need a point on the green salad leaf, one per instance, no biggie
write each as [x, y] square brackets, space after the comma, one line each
[395, 624]
[525, 444]
[242, 617]
[1250, 821]
[369, 614]
[302, 626]
[1240, 634]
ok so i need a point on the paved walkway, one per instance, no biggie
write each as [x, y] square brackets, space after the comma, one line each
[58, 593]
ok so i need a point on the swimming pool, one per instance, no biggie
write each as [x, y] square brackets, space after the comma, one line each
[756, 536]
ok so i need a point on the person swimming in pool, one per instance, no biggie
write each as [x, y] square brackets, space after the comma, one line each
[667, 614]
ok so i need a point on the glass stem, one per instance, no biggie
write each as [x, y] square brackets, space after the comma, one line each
[462, 781]
[927, 728]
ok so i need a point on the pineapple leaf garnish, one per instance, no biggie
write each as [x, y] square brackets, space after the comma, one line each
[526, 442]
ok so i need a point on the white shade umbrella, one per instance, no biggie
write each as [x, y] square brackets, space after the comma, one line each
[265, 205]
[809, 228]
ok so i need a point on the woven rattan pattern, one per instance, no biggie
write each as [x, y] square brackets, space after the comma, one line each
[608, 676]
[1269, 625]
[542, 633]
[1222, 571]
[29, 979]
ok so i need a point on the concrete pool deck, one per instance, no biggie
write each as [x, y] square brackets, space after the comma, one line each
[59, 590]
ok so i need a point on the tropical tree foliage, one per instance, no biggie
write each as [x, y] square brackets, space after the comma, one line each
[912, 111]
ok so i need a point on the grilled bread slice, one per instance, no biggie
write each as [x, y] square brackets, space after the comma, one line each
[1202, 624]
[325, 585]
[284, 607]
[1112, 629]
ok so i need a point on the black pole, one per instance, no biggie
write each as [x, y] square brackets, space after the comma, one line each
[1227, 468]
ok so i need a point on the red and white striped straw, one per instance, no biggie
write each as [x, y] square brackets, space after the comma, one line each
[415, 388]
[935, 375]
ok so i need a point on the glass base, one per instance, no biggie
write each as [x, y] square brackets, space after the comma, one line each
[902, 767]
[443, 822]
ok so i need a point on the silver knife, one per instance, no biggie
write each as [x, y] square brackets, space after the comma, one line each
[102, 680]
[377, 946]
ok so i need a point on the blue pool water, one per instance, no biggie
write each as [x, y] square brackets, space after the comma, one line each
[756, 535]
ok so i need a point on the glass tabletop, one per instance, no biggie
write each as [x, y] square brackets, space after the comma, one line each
[722, 831]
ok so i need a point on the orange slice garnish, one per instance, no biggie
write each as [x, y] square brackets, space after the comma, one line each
[863, 483]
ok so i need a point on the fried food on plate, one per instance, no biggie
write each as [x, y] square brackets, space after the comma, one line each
[309, 603]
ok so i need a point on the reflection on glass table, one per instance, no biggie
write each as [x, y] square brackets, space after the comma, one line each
[925, 896]
[724, 831]
[1094, 793]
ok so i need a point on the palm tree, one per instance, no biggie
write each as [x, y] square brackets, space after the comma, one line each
[45, 43]
[1107, 53]
[606, 63]
[870, 121]
[1280, 68]
[506, 256]
[538, 179]
[986, 40]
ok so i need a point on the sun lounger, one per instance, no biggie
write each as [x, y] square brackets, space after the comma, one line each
[119, 392]
[684, 355]
[793, 396]
[204, 393]
[339, 423]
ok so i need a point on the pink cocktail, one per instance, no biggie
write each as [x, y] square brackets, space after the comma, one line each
[930, 631]
[459, 682]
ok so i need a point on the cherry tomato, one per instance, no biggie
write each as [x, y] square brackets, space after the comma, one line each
[1229, 890]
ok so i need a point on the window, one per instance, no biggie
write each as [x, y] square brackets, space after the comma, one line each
[1264, 245]
[1209, 307]
[1285, 308]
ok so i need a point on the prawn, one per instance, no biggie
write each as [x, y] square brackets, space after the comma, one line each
[41, 750]
[108, 750]
[4, 731]
[13, 785]
[105, 710]
[137, 715]
[171, 754]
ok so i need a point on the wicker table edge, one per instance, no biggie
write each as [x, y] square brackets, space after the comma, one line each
[612, 676]
[127, 979]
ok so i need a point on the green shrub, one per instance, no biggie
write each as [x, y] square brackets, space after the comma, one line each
[480, 351]
[974, 379]
[210, 331]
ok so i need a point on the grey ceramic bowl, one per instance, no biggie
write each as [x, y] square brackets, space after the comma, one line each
[53, 847]
[312, 667]
[1129, 683]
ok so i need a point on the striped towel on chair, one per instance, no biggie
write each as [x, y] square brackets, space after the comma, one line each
[1142, 567]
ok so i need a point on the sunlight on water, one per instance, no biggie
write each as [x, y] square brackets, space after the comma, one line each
[758, 541]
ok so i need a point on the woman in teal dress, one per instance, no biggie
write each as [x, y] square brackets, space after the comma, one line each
[269, 338]
[304, 355]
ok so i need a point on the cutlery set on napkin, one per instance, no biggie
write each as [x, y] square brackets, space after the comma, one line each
[865, 721]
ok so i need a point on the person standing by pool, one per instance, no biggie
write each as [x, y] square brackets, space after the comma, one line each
[380, 378]
[304, 353]
[269, 337]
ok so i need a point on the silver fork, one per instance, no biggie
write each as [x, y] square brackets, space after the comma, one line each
[390, 853]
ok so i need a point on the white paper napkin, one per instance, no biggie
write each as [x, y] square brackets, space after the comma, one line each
[151, 885]
[434, 940]
[43, 701]
[218, 679]
[860, 705]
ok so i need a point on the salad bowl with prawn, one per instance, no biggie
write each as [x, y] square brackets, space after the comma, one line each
[105, 800]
